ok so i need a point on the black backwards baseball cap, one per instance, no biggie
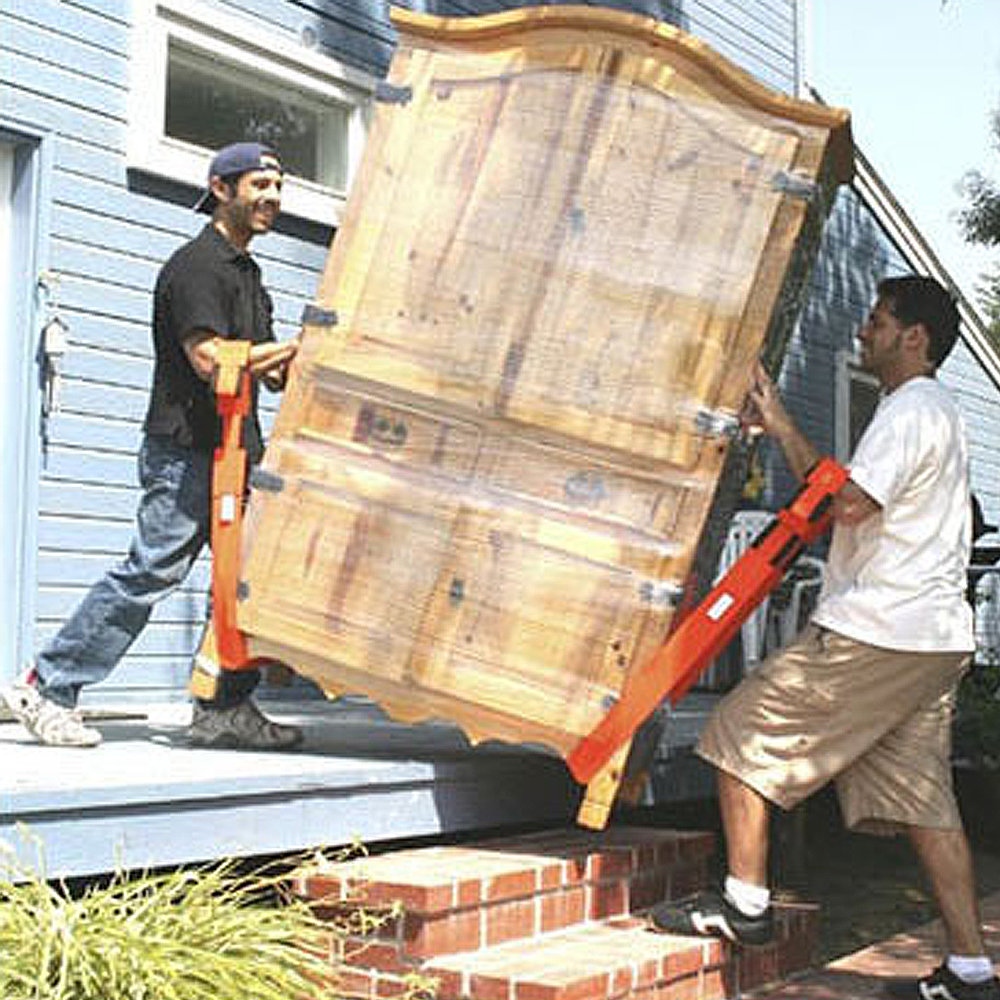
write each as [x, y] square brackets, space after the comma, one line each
[233, 160]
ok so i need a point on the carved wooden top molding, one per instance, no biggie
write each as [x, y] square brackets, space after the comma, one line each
[637, 28]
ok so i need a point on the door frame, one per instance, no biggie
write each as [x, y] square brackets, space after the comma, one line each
[20, 407]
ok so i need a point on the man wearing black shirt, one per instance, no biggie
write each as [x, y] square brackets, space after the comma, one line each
[210, 290]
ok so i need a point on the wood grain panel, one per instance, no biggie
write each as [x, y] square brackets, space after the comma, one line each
[568, 242]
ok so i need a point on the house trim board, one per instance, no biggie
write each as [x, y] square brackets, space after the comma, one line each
[20, 453]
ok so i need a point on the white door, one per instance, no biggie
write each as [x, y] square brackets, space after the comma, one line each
[18, 401]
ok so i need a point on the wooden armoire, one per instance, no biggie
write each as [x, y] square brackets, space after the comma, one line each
[572, 234]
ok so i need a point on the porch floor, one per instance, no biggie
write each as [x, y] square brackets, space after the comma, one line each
[144, 798]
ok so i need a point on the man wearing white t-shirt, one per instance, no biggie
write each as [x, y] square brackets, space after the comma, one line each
[864, 696]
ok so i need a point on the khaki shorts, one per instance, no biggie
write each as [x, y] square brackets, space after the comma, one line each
[828, 707]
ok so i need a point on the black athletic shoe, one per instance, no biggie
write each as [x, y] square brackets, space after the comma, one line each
[710, 914]
[943, 984]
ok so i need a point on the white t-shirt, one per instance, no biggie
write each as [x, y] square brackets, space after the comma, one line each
[897, 579]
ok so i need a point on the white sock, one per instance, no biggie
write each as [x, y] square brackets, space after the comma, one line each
[971, 968]
[752, 900]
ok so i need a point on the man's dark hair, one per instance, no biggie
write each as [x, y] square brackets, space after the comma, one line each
[915, 299]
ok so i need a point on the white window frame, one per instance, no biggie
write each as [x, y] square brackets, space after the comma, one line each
[242, 42]
[848, 373]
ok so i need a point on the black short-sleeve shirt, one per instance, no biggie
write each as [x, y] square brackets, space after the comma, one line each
[208, 284]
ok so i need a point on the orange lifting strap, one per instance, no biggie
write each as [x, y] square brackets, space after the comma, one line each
[705, 632]
[231, 381]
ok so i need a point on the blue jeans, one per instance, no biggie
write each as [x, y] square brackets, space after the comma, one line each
[173, 524]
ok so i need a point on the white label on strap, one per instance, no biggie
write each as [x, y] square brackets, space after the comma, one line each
[722, 604]
[227, 508]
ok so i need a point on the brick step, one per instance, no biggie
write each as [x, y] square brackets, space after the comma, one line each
[617, 960]
[457, 899]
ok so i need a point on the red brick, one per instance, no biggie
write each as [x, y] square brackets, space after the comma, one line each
[647, 890]
[490, 987]
[551, 876]
[510, 885]
[645, 856]
[715, 952]
[796, 955]
[648, 973]
[621, 982]
[627, 920]
[687, 962]
[449, 983]
[563, 909]
[687, 988]
[379, 955]
[416, 898]
[354, 983]
[390, 987]
[469, 892]
[667, 852]
[611, 862]
[757, 967]
[575, 871]
[389, 928]
[719, 982]
[536, 991]
[607, 899]
[591, 988]
[510, 921]
[446, 935]
[349, 913]
[690, 848]
[688, 879]
[325, 888]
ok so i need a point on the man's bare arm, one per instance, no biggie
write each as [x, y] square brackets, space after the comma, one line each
[267, 361]
[771, 416]
[852, 505]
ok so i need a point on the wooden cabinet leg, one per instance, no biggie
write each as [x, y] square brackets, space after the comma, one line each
[602, 791]
[205, 674]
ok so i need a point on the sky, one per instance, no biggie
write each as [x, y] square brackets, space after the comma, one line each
[920, 78]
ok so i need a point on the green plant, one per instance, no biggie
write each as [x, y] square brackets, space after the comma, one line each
[207, 933]
[977, 718]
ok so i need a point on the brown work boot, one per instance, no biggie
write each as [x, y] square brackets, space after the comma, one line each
[241, 727]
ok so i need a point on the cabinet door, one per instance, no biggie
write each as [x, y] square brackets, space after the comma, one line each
[350, 527]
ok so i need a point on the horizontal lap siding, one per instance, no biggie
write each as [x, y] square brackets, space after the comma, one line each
[758, 35]
[65, 70]
[856, 254]
[979, 400]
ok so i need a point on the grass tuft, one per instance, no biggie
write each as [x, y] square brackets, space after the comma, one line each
[207, 933]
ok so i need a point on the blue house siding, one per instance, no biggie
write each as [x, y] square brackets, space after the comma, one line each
[759, 35]
[978, 399]
[857, 252]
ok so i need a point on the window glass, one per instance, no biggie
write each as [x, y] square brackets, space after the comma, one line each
[865, 394]
[211, 103]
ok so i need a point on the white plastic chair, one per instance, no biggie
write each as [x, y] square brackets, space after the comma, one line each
[780, 616]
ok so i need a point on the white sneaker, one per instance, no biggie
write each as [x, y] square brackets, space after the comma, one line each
[51, 724]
